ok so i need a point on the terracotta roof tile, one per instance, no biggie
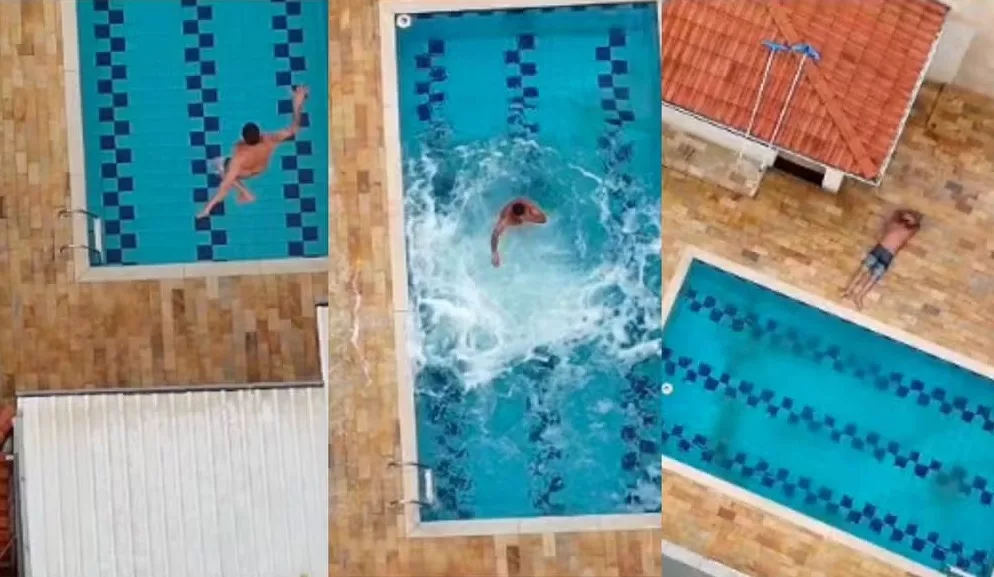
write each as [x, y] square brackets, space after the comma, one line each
[847, 109]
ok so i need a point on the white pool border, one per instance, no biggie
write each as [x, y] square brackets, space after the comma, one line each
[672, 289]
[82, 270]
[388, 11]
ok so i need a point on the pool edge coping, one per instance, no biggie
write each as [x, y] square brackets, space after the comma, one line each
[393, 168]
[672, 289]
[82, 270]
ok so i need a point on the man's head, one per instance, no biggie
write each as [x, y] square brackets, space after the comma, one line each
[911, 219]
[251, 134]
[519, 209]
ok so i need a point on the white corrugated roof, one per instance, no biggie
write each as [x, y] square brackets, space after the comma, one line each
[198, 484]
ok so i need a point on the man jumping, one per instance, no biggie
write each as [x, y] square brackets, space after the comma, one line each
[898, 230]
[251, 155]
[516, 213]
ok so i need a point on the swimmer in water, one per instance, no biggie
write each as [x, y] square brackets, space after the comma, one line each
[517, 212]
[251, 155]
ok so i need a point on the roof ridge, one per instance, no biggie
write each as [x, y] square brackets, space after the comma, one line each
[782, 21]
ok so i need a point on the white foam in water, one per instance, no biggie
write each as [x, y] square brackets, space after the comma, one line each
[482, 320]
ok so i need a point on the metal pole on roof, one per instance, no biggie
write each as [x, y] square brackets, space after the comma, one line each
[806, 51]
[775, 48]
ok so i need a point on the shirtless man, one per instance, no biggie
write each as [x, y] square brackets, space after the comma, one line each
[251, 156]
[898, 230]
[516, 213]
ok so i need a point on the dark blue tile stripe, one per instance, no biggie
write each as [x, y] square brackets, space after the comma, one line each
[521, 72]
[205, 124]
[541, 414]
[441, 394]
[687, 371]
[641, 453]
[117, 182]
[841, 508]
[289, 52]
[791, 339]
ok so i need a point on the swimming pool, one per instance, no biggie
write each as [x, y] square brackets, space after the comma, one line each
[154, 92]
[530, 391]
[884, 440]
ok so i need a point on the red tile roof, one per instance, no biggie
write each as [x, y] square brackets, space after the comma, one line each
[847, 110]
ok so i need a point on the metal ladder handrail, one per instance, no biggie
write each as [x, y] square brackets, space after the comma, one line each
[428, 482]
[97, 233]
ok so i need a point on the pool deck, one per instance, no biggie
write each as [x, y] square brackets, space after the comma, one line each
[940, 289]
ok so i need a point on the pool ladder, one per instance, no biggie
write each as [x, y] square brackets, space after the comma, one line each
[98, 233]
[426, 486]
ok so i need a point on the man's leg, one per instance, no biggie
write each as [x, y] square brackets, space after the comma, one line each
[244, 194]
[868, 285]
[859, 276]
[217, 199]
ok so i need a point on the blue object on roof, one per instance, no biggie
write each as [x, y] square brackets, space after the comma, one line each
[806, 49]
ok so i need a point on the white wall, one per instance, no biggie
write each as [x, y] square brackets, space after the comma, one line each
[684, 122]
[950, 51]
[976, 72]
[199, 484]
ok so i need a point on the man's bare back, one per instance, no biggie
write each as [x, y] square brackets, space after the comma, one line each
[518, 212]
[902, 226]
[251, 155]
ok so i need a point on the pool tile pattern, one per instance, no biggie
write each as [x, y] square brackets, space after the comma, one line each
[446, 423]
[205, 125]
[687, 370]
[540, 408]
[521, 73]
[795, 340]
[443, 397]
[301, 208]
[639, 434]
[836, 504]
[939, 288]
[115, 171]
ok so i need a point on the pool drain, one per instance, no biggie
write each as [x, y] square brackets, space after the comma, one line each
[404, 21]
[667, 388]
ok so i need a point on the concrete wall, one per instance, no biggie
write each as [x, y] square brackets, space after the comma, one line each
[58, 334]
[976, 70]
[684, 122]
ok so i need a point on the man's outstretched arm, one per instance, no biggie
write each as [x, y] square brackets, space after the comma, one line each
[299, 96]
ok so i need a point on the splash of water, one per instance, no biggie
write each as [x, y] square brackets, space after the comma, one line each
[572, 289]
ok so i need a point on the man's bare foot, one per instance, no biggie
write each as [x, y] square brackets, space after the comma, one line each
[244, 198]
[859, 303]
[204, 213]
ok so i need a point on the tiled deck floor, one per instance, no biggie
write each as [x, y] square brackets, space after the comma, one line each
[941, 288]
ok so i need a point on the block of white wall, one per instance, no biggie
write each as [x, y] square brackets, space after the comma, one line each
[950, 51]
[832, 181]
[684, 122]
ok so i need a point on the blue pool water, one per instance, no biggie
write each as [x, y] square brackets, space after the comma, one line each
[167, 86]
[834, 421]
[536, 382]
